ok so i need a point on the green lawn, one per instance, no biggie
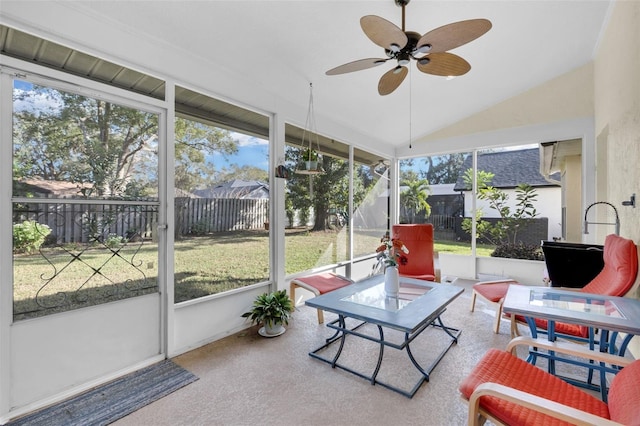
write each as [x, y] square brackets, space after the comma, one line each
[203, 265]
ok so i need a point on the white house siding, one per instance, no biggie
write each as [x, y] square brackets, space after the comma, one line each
[548, 205]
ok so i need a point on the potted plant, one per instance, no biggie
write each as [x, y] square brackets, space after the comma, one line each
[272, 310]
[310, 158]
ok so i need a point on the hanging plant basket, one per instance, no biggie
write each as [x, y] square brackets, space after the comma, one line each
[310, 156]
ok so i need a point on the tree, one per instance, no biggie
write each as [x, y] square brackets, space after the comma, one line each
[81, 139]
[331, 190]
[443, 169]
[194, 142]
[111, 140]
[322, 192]
[70, 137]
[245, 172]
[414, 198]
[407, 174]
[504, 233]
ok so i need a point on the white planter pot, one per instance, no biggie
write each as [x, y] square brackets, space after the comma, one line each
[271, 331]
[391, 281]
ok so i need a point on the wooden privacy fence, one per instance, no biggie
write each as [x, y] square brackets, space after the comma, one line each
[82, 223]
[203, 215]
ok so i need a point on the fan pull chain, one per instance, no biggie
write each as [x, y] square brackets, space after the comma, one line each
[410, 104]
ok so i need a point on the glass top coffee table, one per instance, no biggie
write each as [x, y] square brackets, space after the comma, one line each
[419, 305]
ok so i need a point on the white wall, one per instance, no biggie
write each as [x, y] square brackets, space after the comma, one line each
[617, 107]
[64, 353]
[617, 92]
[572, 189]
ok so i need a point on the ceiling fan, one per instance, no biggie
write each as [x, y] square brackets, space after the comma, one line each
[429, 50]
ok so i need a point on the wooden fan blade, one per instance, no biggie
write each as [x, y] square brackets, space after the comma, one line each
[383, 33]
[358, 65]
[391, 80]
[454, 35]
[444, 64]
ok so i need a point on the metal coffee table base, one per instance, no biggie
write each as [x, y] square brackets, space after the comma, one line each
[342, 331]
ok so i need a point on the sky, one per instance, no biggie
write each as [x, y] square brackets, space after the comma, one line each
[252, 151]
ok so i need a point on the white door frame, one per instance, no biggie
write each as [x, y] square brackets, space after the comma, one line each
[44, 360]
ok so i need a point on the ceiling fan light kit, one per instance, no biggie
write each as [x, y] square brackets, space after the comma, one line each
[430, 51]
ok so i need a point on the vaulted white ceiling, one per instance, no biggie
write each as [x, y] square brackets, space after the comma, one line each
[279, 47]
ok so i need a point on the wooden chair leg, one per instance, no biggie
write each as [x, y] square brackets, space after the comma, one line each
[473, 300]
[292, 293]
[514, 327]
[496, 327]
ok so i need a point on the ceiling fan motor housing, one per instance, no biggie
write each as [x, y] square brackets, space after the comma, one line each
[409, 51]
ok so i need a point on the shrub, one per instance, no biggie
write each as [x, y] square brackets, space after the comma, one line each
[114, 241]
[199, 228]
[29, 236]
[519, 251]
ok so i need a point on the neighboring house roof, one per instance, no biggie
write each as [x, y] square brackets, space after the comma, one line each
[51, 187]
[236, 189]
[510, 168]
[181, 193]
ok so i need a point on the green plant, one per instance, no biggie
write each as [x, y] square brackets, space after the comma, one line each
[271, 309]
[114, 241]
[503, 233]
[199, 228]
[310, 155]
[28, 236]
[519, 250]
[414, 197]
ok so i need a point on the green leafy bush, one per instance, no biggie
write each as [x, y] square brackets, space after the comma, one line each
[199, 228]
[28, 236]
[519, 251]
[114, 241]
[504, 232]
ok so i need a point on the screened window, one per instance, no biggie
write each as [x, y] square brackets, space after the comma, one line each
[316, 202]
[431, 191]
[221, 199]
[514, 202]
[371, 214]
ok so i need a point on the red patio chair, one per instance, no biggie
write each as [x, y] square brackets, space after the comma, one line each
[418, 238]
[318, 284]
[616, 278]
[509, 391]
[493, 292]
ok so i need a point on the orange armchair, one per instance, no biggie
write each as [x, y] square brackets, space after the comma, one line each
[508, 390]
[418, 238]
[616, 278]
